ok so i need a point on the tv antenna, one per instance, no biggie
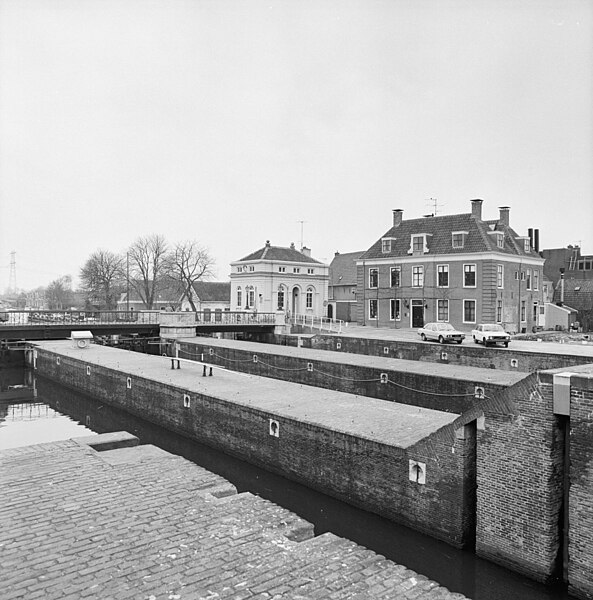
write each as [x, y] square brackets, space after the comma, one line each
[302, 223]
[433, 203]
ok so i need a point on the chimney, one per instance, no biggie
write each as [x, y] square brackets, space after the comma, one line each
[530, 234]
[477, 209]
[536, 240]
[504, 215]
[292, 245]
[398, 214]
[306, 251]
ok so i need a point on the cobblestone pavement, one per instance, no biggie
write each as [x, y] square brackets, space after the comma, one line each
[141, 523]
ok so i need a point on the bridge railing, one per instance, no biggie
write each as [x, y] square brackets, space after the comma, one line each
[318, 323]
[145, 317]
[226, 317]
[79, 317]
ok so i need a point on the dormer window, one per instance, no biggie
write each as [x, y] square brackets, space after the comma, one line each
[386, 245]
[458, 239]
[527, 245]
[499, 237]
[418, 244]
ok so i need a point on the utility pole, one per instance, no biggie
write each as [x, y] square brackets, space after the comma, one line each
[12, 276]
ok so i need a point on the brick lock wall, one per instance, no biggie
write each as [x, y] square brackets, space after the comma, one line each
[453, 395]
[470, 356]
[362, 472]
[519, 477]
[580, 502]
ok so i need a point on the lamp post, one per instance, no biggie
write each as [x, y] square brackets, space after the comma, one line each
[128, 283]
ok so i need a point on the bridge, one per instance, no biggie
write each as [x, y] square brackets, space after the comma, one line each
[59, 324]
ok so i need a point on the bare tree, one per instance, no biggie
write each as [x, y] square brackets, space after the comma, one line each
[190, 263]
[59, 293]
[101, 277]
[149, 264]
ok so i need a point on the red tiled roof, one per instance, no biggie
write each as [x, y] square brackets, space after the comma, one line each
[439, 230]
[342, 270]
[213, 291]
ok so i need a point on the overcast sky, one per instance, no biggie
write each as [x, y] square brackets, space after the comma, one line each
[230, 121]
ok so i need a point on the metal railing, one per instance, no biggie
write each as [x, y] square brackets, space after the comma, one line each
[50, 318]
[318, 323]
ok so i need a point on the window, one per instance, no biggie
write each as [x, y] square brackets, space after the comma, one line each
[309, 298]
[535, 279]
[282, 269]
[395, 310]
[522, 275]
[499, 276]
[396, 276]
[239, 296]
[469, 275]
[373, 278]
[373, 309]
[469, 311]
[311, 271]
[443, 275]
[251, 268]
[527, 245]
[457, 239]
[442, 310]
[385, 245]
[523, 310]
[417, 243]
[250, 297]
[499, 311]
[500, 240]
[528, 279]
[517, 275]
[417, 276]
[296, 270]
[281, 298]
[239, 269]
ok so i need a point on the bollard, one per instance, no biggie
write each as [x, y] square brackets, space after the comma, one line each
[204, 371]
[210, 374]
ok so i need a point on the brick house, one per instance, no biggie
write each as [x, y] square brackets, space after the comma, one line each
[342, 286]
[212, 296]
[275, 278]
[459, 269]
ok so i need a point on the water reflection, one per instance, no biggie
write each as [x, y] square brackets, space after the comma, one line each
[457, 570]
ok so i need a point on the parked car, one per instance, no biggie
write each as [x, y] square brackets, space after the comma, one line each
[441, 332]
[490, 333]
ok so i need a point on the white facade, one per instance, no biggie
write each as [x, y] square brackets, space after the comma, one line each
[280, 279]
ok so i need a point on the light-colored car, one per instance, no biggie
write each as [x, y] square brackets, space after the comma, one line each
[440, 332]
[490, 333]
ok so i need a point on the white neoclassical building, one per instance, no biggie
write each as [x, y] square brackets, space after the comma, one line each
[275, 279]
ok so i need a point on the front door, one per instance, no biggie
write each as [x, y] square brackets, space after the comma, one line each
[295, 301]
[417, 313]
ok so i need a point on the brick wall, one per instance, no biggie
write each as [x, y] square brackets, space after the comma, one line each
[360, 471]
[470, 356]
[520, 471]
[448, 394]
[580, 503]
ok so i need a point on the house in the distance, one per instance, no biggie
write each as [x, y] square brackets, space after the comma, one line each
[342, 286]
[209, 296]
[459, 269]
[275, 278]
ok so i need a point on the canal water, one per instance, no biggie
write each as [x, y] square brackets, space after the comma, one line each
[35, 410]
